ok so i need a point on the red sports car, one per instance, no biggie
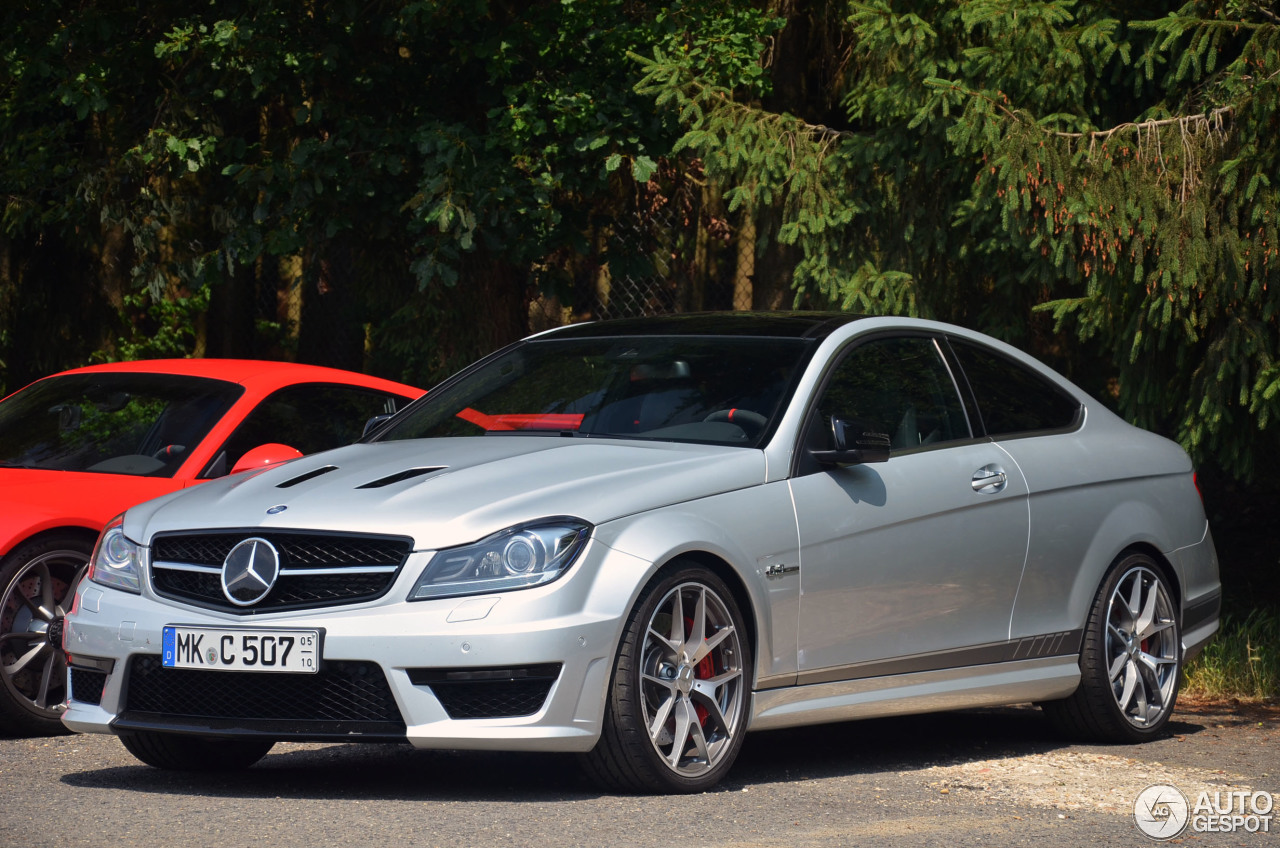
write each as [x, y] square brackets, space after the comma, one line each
[80, 447]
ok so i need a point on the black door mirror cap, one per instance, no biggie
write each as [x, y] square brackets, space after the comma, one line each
[854, 443]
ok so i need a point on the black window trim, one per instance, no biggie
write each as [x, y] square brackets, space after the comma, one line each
[1077, 420]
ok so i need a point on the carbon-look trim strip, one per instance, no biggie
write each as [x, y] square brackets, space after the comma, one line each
[1064, 643]
[1203, 610]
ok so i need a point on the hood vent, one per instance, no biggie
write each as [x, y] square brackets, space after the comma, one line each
[407, 474]
[324, 469]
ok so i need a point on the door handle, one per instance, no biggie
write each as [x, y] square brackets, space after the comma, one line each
[989, 479]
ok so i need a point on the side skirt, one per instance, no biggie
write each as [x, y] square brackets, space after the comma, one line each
[994, 684]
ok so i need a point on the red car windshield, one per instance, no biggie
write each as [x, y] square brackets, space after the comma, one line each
[127, 423]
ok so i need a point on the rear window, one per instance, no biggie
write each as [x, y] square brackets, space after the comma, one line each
[1012, 398]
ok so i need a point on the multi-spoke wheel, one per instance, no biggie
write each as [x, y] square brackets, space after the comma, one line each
[676, 711]
[1130, 661]
[1142, 647]
[37, 583]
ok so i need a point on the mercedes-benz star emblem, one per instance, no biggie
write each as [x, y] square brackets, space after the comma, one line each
[249, 571]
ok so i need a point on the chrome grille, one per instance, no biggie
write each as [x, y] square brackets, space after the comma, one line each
[316, 569]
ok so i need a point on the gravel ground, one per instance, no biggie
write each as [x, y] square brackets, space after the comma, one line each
[980, 777]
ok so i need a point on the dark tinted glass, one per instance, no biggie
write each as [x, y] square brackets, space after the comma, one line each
[678, 388]
[900, 387]
[310, 418]
[1011, 398]
[138, 424]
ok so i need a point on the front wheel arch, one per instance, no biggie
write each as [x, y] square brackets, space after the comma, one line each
[34, 676]
[651, 740]
[733, 580]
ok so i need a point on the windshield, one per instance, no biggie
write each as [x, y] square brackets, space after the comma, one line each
[137, 424]
[712, 390]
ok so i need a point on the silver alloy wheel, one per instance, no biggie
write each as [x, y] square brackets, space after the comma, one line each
[691, 678]
[32, 608]
[1142, 647]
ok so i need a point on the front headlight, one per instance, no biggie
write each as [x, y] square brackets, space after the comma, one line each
[517, 558]
[115, 559]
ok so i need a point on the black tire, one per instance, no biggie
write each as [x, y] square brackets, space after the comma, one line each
[174, 752]
[37, 584]
[694, 689]
[1131, 659]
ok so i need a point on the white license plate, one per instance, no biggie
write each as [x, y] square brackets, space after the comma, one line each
[237, 649]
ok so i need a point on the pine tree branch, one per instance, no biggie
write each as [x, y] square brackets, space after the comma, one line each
[1214, 116]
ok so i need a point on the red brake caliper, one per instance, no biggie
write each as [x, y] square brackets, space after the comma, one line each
[705, 671]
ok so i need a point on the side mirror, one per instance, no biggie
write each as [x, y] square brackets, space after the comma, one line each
[260, 457]
[375, 422]
[853, 443]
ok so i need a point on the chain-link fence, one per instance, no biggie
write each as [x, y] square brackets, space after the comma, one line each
[679, 252]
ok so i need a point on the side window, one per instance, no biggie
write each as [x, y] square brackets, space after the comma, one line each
[309, 417]
[901, 387]
[1012, 398]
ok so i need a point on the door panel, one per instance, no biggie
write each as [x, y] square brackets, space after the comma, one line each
[907, 557]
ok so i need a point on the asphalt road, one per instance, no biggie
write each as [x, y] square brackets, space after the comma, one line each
[984, 777]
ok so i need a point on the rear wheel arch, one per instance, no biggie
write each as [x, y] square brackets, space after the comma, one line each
[1131, 654]
[1166, 567]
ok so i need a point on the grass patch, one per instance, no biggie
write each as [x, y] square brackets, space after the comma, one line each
[1242, 661]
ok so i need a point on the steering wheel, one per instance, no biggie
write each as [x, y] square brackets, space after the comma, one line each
[753, 423]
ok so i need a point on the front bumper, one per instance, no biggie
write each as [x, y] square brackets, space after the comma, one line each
[563, 634]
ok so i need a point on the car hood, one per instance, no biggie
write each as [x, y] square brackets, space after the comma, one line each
[445, 492]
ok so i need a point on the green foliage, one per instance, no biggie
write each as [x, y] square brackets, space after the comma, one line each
[1032, 169]
[1162, 229]
[1242, 661]
[999, 160]
[411, 140]
[162, 328]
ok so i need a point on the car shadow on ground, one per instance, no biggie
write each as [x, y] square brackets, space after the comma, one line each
[398, 772]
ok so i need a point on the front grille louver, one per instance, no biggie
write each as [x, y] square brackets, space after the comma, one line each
[317, 569]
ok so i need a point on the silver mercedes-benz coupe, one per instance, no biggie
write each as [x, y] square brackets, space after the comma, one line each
[638, 540]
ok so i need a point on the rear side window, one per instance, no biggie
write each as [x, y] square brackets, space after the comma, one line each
[1012, 398]
[310, 417]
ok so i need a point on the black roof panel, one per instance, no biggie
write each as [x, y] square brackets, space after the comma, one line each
[798, 325]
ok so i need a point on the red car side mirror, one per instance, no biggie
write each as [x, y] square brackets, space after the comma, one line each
[262, 456]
